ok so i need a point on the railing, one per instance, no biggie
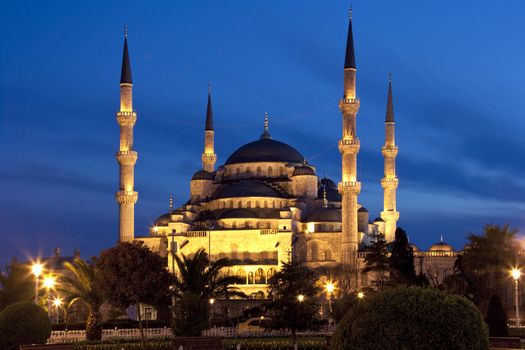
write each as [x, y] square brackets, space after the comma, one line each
[58, 337]
[196, 234]
[233, 332]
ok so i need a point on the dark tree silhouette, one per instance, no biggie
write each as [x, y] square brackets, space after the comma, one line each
[402, 260]
[497, 318]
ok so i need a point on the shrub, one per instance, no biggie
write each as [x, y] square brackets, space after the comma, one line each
[497, 318]
[191, 315]
[23, 323]
[412, 318]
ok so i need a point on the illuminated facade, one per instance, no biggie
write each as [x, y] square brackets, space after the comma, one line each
[266, 204]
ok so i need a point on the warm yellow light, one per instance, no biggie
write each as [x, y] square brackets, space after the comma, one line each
[37, 269]
[49, 282]
[262, 318]
[360, 295]
[212, 301]
[300, 297]
[329, 287]
[155, 229]
[57, 302]
[515, 273]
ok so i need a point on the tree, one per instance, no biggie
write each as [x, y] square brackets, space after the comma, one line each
[402, 260]
[131, 274]
[23, 323]
[16, 285]
[497, 318]
[81, 286]
[196, 282]
[485, 262]
[376, 260]
[412, 318]
[294, 298]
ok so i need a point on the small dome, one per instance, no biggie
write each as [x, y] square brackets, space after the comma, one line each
[324, 215]
[332, 194]
[202, 175]
[265, 150]
[163, 220]
[362, 210]
[303, 170]
[328, 183]
[441, 247]
[414, 247]
[249, 189]
[379, 220]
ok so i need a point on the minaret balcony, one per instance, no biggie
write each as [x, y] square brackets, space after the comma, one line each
[126, 197]
[349, 187]
[127, 157]
[389, 215]
[126, 118]
[390, 151]
[349, 106]
[349, 145]
[389, 182]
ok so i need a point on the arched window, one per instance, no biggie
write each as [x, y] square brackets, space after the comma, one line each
[260, 277]
[250, 277]
[237, 171]
[328, 255]
[248, 171]
[241, 274]
[231, 204]
[239, 204]
[314, 251]
[270, 171]
[249, 204]
[269, 274]
[257, 204]
[265, 205]
[281, 170]
[259, 171]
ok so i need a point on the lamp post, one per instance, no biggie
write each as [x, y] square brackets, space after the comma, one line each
[516, 275]
[360, 295]
[37, 271]
[212, 301]
[300, 298]
[49, 283]
[329, 287]
[57, 303]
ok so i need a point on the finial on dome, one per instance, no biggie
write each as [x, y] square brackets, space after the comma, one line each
[125, 30]
[390, 77]
[171, 203]
[209, 87]
[266, 135]
[441, 239]
[325, 201]
[350, 13]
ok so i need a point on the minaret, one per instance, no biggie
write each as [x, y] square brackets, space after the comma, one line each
[390, 182]
[208, 156]
[126, 196]
[349, 187]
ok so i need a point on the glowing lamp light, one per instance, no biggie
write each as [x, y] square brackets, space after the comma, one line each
[212, 301]
[360, 295]
[329, 287]
[155, 229]
[37, 269]
[57, 302]
[515, 273]
[49, 282]
[300, 297]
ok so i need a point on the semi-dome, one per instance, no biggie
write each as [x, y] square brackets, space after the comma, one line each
[303, 170]
[362, 210]
[324, 215]
[328, 183]
[265, 150]
[332, 194]
[202, 175]
[163, 220]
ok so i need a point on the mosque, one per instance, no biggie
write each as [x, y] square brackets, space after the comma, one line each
[266, 203]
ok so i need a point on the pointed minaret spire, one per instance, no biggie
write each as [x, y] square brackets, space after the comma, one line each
[208, 156]
[390, 182]
[389, 102]
[171, 203]
[350, 53]
[126, 196]
[266, 135]
[325, 201]
[209, 112]
[125, 75]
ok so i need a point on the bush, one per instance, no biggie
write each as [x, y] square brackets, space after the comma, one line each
[23, 323]
[191, 315]
[166, 345]
[497, 318]
[412, 318]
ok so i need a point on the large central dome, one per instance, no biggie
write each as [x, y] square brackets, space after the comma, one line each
[265, 150]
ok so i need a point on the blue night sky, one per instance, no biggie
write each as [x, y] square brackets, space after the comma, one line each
[459, 87]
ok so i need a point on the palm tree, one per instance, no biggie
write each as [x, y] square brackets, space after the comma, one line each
[81, 286]
[198, 280]
[200, 277]
[16, 285]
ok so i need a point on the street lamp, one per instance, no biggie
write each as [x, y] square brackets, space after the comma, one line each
[49, 283]
[300, 298]
[37, 271]
[212, 301]
[329, 287]
[360, 295]
[57, 303]
[515, 273]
